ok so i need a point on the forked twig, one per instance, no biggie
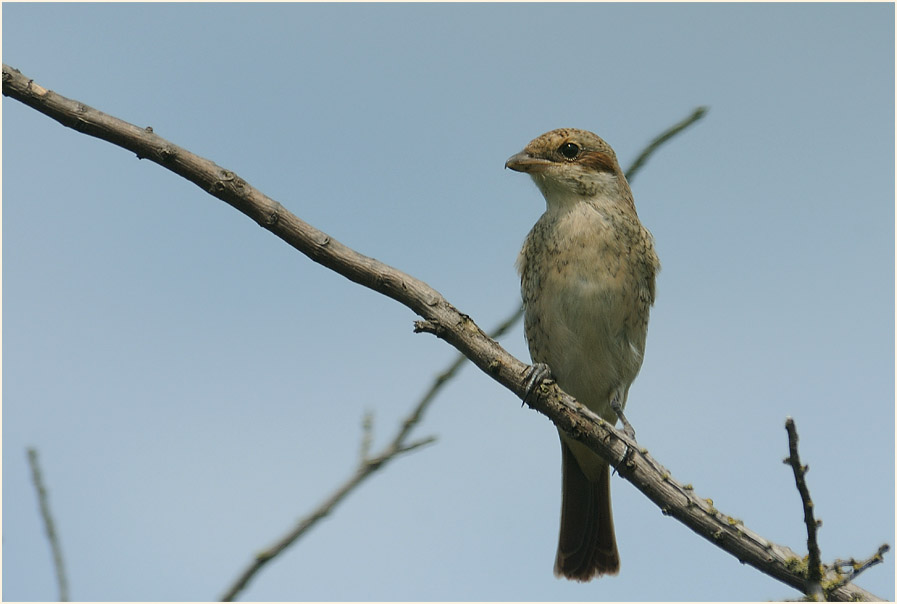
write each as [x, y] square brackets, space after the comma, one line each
[852, 568]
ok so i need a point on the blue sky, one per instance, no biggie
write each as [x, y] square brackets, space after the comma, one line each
[194, 385]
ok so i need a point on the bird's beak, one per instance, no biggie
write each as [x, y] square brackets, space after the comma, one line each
[524, 162]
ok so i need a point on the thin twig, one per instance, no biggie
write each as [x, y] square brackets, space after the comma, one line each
[417, 444]
[697, 114]
[365, 469]
[49, 526]
[367, 466]
[851, 568]
[453, 326]
[814, 563]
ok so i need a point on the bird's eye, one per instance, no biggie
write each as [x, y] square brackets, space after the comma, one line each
[569, 150]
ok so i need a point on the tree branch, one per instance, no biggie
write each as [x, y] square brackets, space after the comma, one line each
[851, 568]
[633, 463]
[49, 526]
[366, 467]
[814, 563]
[661, 139]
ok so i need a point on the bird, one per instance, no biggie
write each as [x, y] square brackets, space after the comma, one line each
[587, 272]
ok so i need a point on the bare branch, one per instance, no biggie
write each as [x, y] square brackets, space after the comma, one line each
[448, 323]
[814, 563]
[365, 469]
[396, 447]
[661, 139]
[49, 526]
[423, 442]
[851, 568]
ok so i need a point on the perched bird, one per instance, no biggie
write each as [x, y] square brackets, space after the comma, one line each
[587, 273]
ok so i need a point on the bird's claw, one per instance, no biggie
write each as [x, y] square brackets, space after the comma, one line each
[536, 374]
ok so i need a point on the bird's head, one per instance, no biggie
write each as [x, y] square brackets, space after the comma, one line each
[570, 165]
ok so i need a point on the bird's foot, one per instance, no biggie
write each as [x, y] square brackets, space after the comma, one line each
[628, 430]
[536, 374]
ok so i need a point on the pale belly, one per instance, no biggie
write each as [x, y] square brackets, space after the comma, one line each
[585, 335]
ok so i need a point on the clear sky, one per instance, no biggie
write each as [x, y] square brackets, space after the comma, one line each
[194, 385]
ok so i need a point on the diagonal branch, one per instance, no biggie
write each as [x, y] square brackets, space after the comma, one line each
[49, 525]
[366, 467]
[852, 568]
[440, 318]
[661, 139]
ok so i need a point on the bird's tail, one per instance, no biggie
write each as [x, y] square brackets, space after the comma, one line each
[587, 547]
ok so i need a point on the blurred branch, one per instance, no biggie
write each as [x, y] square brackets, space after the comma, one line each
[850, 569]
[440, 318]
[663, 137]
[366, 467]
[49, 526]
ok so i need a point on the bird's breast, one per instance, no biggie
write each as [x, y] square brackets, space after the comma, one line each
[582, 286]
